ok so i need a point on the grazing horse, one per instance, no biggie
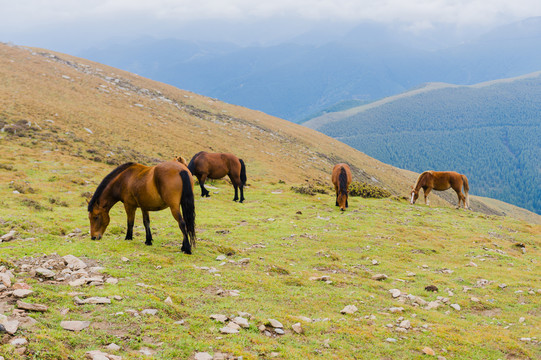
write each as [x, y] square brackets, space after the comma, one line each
[440, 181]
[217, 165]
[341, 178]
[166, 185]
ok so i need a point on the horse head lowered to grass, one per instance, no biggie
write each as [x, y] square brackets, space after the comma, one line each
[440, 181]
[166, 185]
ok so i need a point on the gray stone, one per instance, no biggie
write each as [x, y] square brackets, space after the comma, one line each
[11, 326]
[19, 342]
[74, 325]
[31, 307]
[149, 312]
[379, 277]
[74, 263]
[395, 293]
[297, 327]
[275, 323]
[5, 279]
[46, 273]
[9, 236]
[219, 317]
[21, 293]
[279, 331]
[349, 309]
[202, 356]
[242, 322]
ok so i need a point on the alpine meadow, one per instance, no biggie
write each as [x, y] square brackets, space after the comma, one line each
[283, 275]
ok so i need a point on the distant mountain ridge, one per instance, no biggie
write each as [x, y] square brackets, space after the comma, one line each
[490, 131]
[295, 80]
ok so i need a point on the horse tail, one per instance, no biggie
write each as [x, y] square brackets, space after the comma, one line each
[466, 190]
[242, 172]
[191, 165]
[343, 180]
[187, 204]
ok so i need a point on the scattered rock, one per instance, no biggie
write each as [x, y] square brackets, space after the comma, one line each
[230, 329]
[349, 309]
[275, 323]
[11, 326]
[22, 293]
[46, 273]
[219, 317]
[379, 277]
[202, 356]
[221, 257]
[74, 263]
[113, 347]
[428, 351]
[242, 322]
[31, 307]
[406, 324]
[91, 300]
[168, 301]
[9, 236]
[99, 355]
[279, 331]
[455, 306]
[149, 312]
[19, 342]
[396, 309]
[297, 327]
[474, 299]
[391, 340]
[74, 325]
[5, 279]
[395, 293]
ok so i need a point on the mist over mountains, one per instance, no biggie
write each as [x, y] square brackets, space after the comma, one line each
[298, 78]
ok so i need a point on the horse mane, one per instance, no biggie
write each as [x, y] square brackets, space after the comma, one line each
[191, 165]
[106, 182]
[343, 180]
[418, 183]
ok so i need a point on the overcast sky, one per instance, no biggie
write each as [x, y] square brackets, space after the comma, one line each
[47, 22]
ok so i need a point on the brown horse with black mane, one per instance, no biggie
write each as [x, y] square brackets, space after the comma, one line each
[217, 165]
[168, 184]
[440, 181]
[341, 178]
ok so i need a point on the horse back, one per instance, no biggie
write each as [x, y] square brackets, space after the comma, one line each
[337, 169]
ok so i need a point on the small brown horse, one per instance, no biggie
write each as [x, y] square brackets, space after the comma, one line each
[341, 178]
[217, 165]
[440, 181]
[168, 184]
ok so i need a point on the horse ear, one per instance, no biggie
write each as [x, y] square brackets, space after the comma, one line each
[87, 201]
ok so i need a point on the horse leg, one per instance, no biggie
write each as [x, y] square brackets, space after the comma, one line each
[146, 222]
[347, 205]
[427, 191]
[130, 212]
[186, 246]
[336, 190]
[204, 192]
[241, 193]
[462, 198]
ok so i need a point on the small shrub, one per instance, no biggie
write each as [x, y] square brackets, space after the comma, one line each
[58, 202]
[7, 167]
[365, 190]
[34, 204]
[278, 270]
[312, 188]
[22, 187]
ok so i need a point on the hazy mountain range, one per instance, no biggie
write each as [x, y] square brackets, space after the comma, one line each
[299, 78]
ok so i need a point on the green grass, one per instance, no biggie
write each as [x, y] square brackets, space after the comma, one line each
[285, 249]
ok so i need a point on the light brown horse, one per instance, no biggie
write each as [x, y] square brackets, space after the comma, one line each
[166, 185]
[341, 178]
[441, 181]
[217, 165]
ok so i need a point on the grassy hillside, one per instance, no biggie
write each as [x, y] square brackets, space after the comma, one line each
[490, 131]
[285, 256]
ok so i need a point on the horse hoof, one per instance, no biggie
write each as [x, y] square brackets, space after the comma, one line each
[148, 243]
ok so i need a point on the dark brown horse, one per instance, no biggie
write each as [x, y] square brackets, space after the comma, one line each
[217, 165]
[341, 178]
[440, 181]
[166, 185]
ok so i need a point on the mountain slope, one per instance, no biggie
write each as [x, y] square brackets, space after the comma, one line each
[99, 113]
[489, 131]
